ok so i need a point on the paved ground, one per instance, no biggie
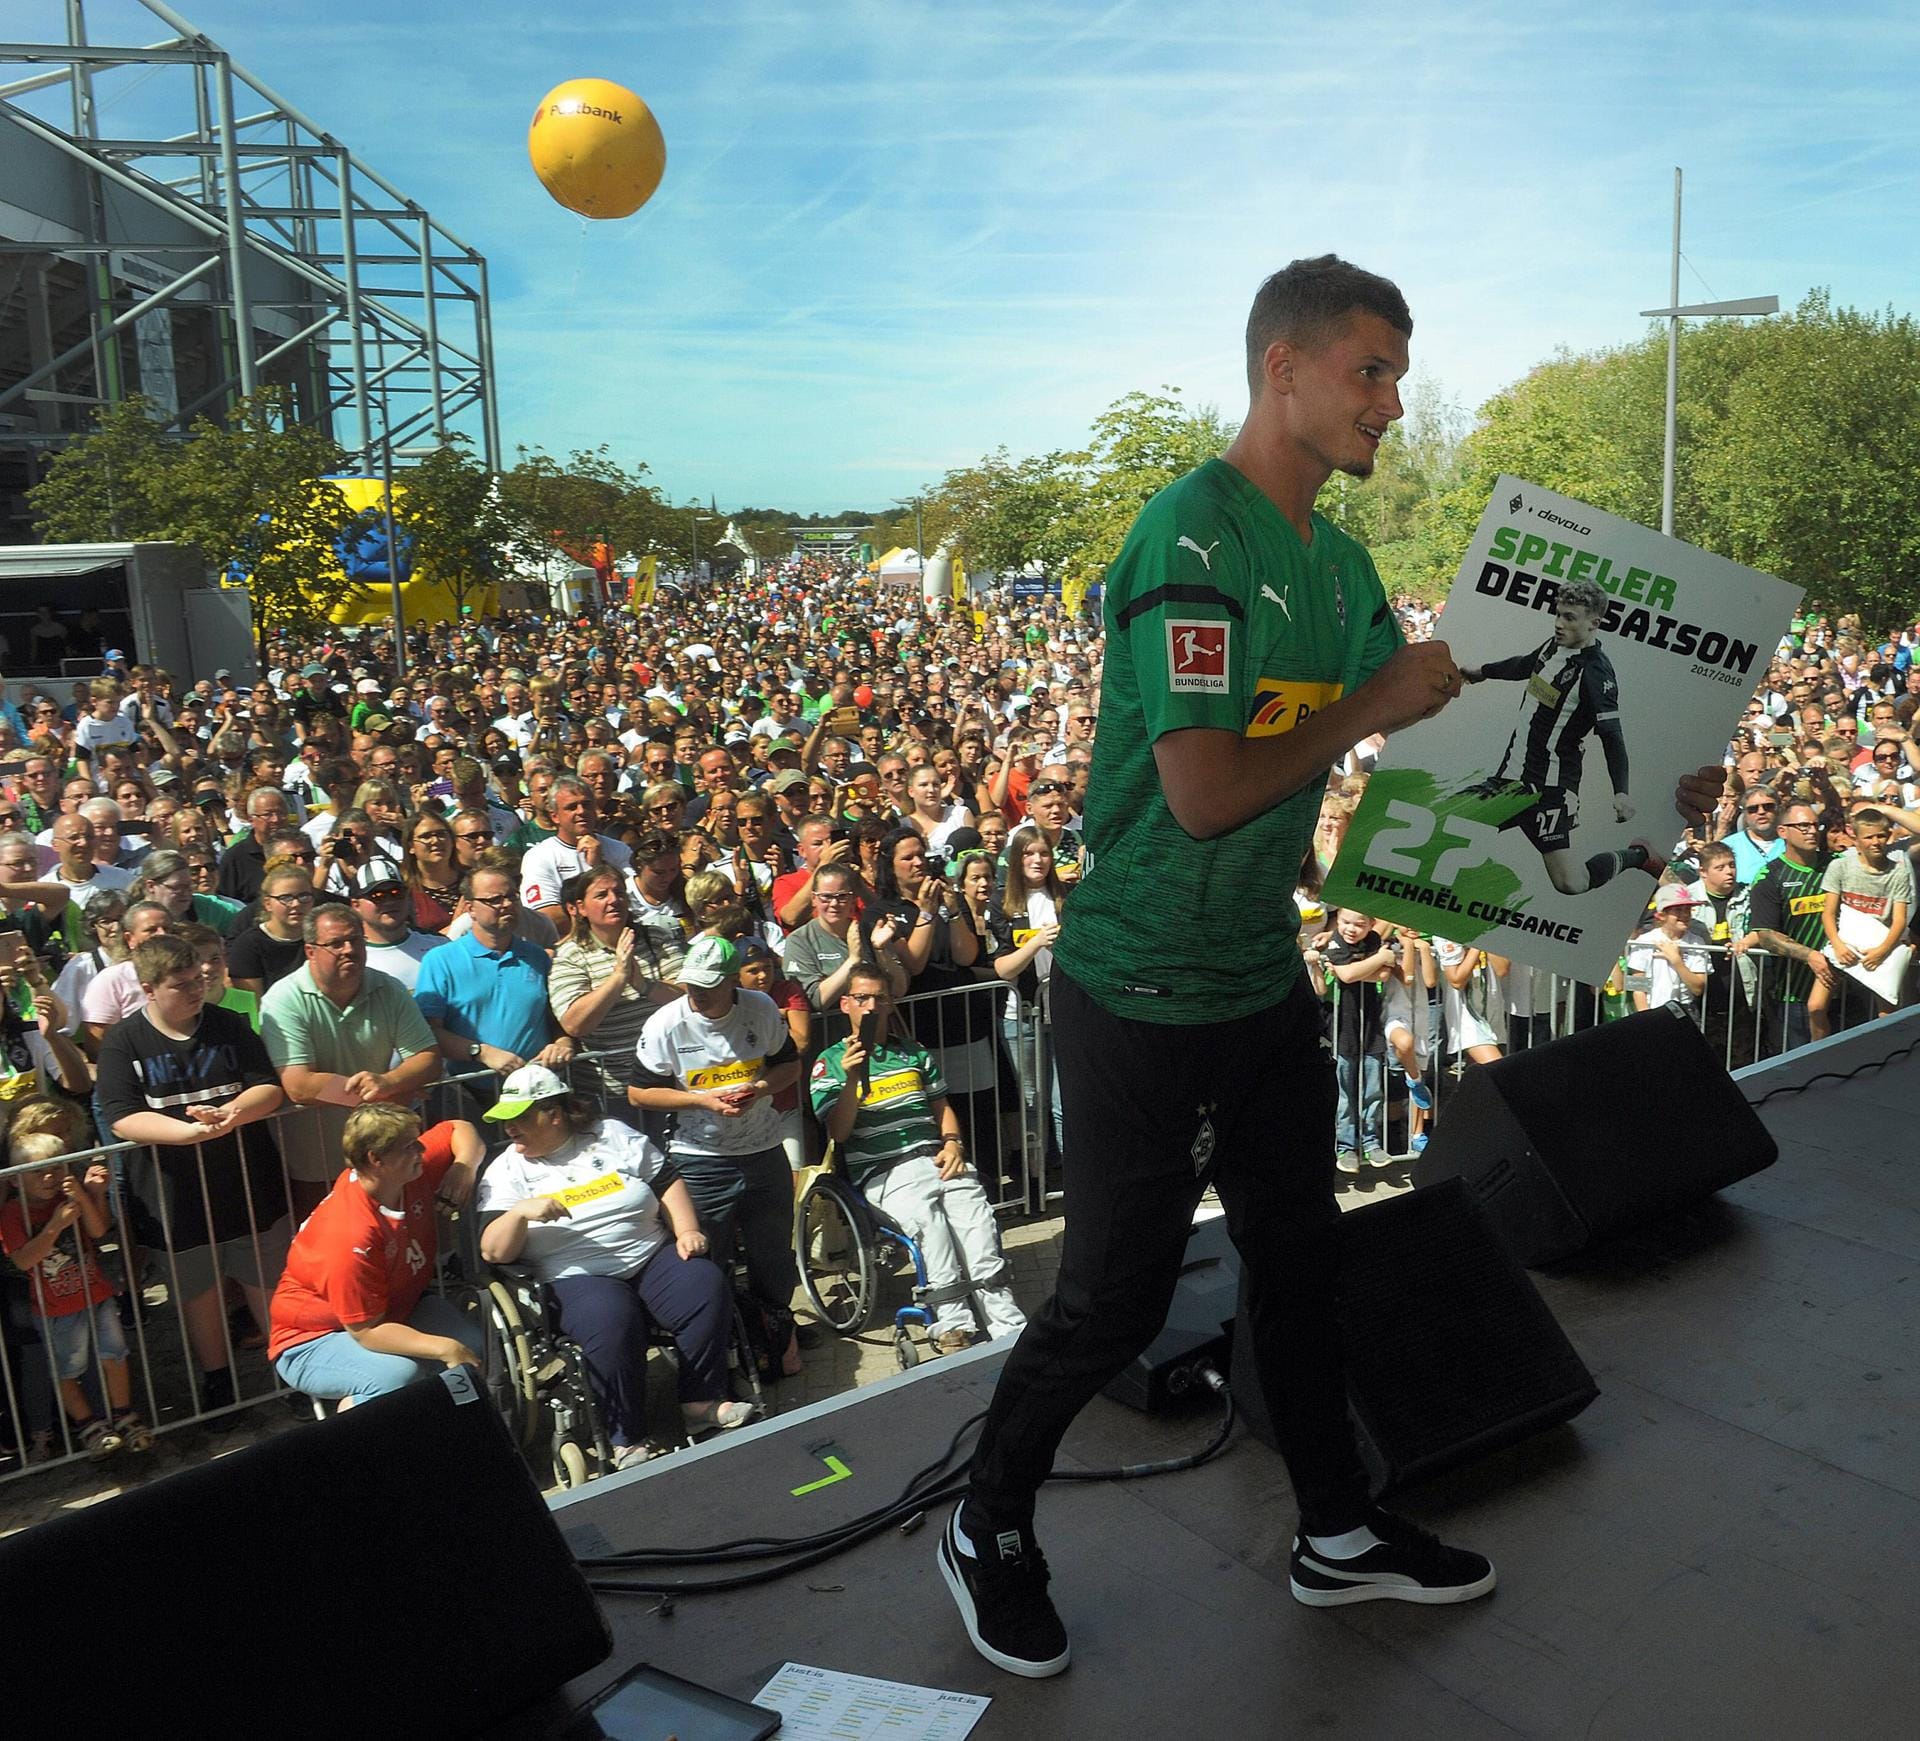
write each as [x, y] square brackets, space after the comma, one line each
[839, 1364]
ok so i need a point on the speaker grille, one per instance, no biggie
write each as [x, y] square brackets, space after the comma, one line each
[1449, 1349]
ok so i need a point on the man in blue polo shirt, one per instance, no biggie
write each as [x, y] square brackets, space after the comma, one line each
[491, 982]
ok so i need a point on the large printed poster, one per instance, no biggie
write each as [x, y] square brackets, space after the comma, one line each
[1602, 661]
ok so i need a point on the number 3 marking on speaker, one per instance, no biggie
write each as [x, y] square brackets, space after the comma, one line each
[1410, 826]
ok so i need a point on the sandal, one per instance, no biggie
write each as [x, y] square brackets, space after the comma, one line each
[725, 1416]
[135, 1434]
[632, 1456]
[97, 1439]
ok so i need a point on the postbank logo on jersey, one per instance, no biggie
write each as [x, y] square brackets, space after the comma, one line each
[1197, 657]
[1279, 704]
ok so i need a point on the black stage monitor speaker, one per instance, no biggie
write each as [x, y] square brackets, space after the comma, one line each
[1596, 1133]
[1450, 1351]
[1197, 1326]
[391, 1572]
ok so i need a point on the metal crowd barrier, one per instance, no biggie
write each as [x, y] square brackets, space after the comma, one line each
[1742, 1011]
[993, 1048]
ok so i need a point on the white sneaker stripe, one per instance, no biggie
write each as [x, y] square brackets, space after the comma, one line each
[1340, 1572]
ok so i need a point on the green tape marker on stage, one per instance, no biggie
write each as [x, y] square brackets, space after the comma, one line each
[840, 1472]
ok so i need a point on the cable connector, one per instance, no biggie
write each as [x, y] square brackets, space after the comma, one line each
[1211, 1378]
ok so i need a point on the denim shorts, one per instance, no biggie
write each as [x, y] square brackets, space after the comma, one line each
[70, 1344]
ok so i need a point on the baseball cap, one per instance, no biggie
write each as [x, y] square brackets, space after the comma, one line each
[313, 670]
[162, 777]
[113, 655]
[375, 722]
[377, 874]
[527, 1086]
[367, 686]
[1673, 897]
[785, 782]
[710, 961]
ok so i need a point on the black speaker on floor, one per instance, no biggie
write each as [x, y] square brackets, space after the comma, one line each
[1595, 1134]
[1197, 1328]
[392, 1572]
[1450, 1351]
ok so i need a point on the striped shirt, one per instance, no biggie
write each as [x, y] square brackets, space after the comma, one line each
[895, 1122]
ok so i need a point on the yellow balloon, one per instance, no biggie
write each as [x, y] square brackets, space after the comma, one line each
[596, 148]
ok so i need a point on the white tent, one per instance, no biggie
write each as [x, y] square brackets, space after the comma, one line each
[900, 568]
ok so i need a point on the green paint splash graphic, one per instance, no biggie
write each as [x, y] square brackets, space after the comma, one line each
[1491, 883]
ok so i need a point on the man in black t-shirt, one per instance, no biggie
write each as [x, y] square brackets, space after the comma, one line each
[1784, 911]
[185, 1079]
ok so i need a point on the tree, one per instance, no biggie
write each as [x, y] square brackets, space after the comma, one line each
[452, 510]
[110, 486]
[1141, 443]
[247, 492]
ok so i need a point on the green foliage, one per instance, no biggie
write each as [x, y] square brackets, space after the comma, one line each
[246, 491]
[454, 511]
[113, 485]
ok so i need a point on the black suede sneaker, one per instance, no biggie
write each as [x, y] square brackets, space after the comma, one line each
[1409, 1565]
[1002, 1597]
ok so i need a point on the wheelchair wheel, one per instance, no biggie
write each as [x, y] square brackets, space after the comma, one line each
[569, 1464]
[511, 1378]
[905, 1355]
[838, 1269]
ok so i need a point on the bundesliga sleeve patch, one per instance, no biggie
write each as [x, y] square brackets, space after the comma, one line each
[1197, 657]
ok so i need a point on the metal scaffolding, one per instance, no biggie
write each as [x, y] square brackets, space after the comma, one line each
[218, 253]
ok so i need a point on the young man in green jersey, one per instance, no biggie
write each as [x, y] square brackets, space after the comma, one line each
[1249, 646]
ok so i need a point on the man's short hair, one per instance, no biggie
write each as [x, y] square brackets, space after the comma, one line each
[161, 958]
[1713, 852]
[1304, 301]
[869, 971]
[1584, 595]
[334, 910]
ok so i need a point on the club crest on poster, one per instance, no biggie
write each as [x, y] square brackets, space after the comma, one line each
[1602, 661]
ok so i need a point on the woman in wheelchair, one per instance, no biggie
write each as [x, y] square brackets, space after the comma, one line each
[596, 1211]
[351, 1317]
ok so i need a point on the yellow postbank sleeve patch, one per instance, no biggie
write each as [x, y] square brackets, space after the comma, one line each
[1279, 704]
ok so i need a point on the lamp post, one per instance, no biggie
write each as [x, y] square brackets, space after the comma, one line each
[693, 573]
[1673, 314]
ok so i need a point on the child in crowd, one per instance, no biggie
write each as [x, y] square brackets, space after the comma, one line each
[1408, 1018]
[1361, 961]
[1873, 892]
[1668, 955]
[49, 1231]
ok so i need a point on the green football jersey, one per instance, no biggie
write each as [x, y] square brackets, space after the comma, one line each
[1216, 616]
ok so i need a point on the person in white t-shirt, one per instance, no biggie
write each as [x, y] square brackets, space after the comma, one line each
[1672, 955]
[1465, 983]
[394, 947]
[593, 1208]
[547, 865]
[715, 1058]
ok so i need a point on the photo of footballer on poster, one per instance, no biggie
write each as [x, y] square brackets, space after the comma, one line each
[1600, 660]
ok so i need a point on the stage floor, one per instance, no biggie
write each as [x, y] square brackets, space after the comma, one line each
[1725, 1544]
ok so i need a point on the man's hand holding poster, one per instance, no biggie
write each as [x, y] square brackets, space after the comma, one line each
[1601, 662]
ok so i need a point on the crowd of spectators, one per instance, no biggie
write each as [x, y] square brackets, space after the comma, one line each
[668, 859]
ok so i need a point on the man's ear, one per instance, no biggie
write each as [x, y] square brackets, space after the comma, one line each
[1277, 366]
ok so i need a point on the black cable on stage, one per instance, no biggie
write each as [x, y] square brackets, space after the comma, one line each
[933, 1485]
[1835, 1075]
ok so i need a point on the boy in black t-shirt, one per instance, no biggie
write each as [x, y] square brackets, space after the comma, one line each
[184, 1079]
[1361, 960]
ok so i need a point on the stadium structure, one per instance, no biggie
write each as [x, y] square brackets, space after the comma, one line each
[171, 226]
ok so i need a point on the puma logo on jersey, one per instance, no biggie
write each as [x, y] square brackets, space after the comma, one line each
[1206, 555]
[1268, 592]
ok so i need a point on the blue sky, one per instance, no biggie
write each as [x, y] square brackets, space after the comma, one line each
[894, 236]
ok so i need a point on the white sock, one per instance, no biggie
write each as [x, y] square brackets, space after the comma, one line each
[1344, 1547]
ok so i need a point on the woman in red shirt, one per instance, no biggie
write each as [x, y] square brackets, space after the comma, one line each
[352, 1317]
